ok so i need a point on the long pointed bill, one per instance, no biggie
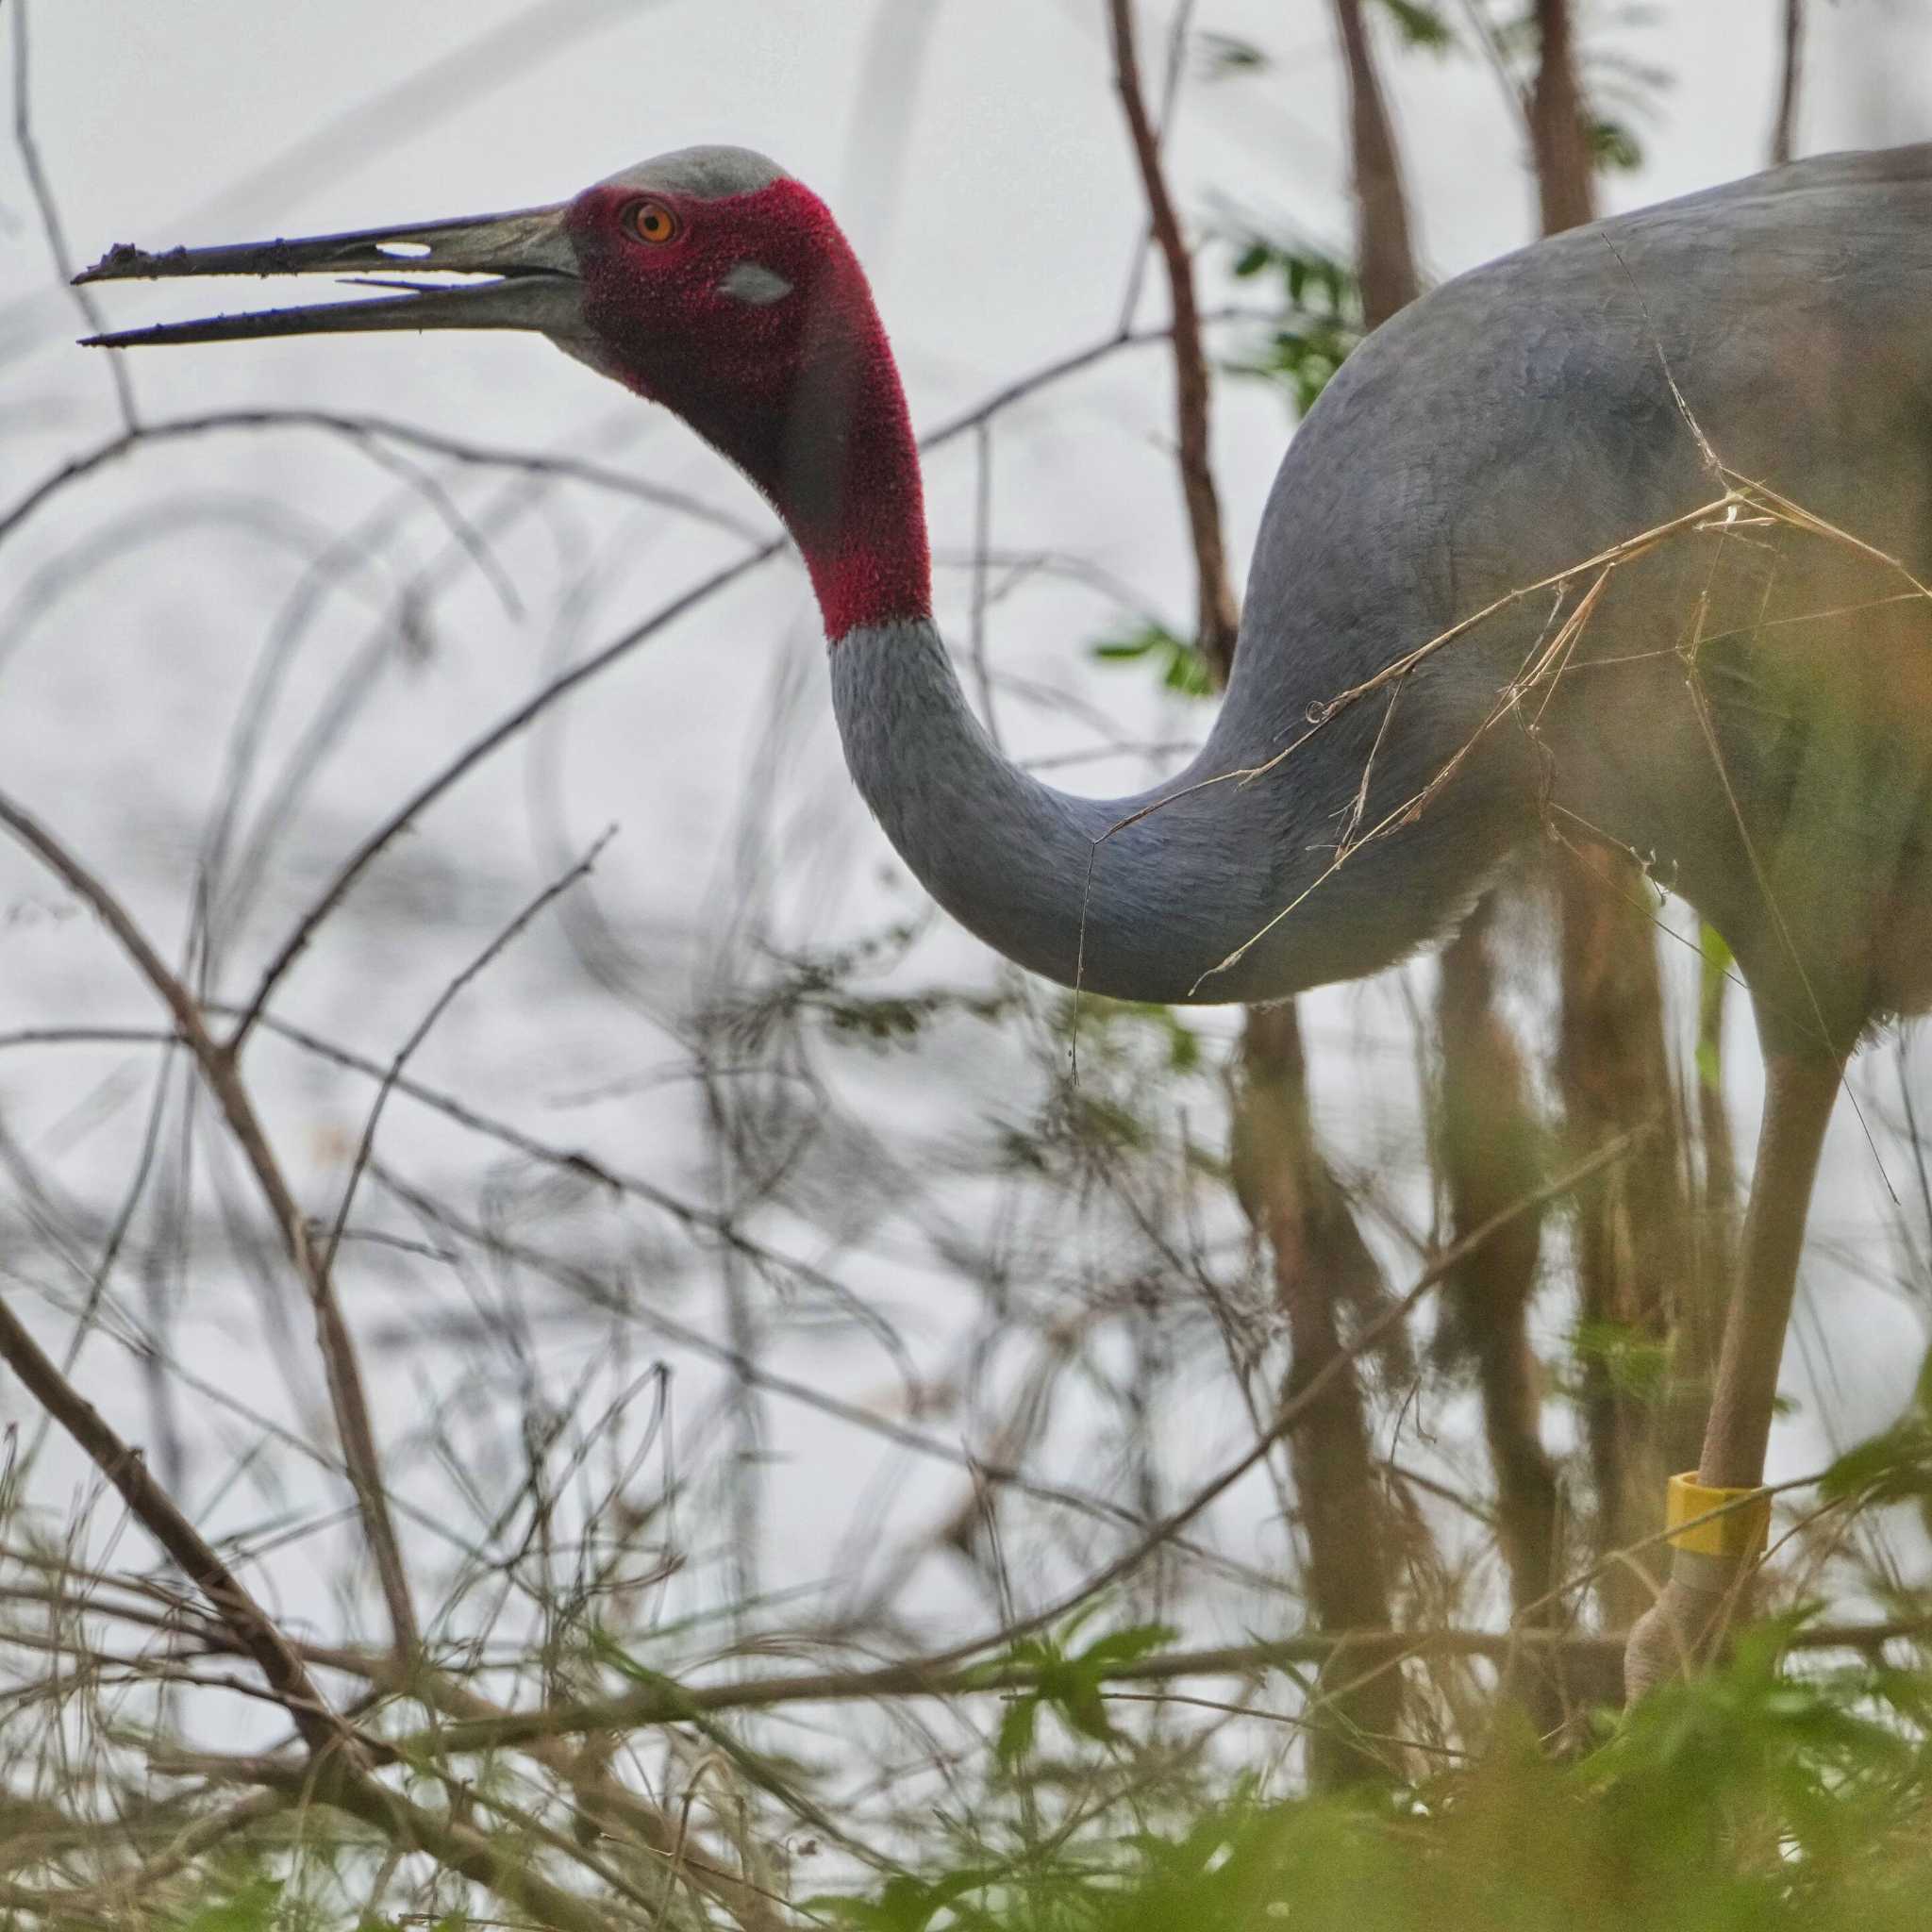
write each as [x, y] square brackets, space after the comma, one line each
[536, 285]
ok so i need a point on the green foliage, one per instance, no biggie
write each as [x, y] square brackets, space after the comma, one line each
[905, 1904]
[1124, 1033]
[1130, 1057]
[1088, 1124]
[1895, 1465]
[1751, 1800]
[824, 990]
[1634, 1364]
[253, 1906]
[1319, 324]
[892, 1019]
[1182, 667]
[1225, 56]
[1069, 1683]
[1321, 321]
[1715, 970]
[1426, 28]
[1614, 147]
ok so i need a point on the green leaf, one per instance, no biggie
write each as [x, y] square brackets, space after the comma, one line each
[1183, 669]
[905, 1903]
[1709, 1067]
[249, 1908]
[1017, 1728]
[1895, 1466]
[1614, 147]
[882, 1021]
[1321, 314]
[1187, 672]
[847, 1911]
[1421, 26]
[1081, 1701]
[1635, 1365]
[1223, 56]
[1125, 1647]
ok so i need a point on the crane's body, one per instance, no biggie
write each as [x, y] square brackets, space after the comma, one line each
[1523, 419]
[1507, 426]
[1746, 702]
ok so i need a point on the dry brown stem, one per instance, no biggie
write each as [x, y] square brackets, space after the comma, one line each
[217, 1066]
[1218, 616]
[1385, 259]
[1559, 131]
[1287, 1187]
[1321, 1261]
[124, 1466]
[1785, 122]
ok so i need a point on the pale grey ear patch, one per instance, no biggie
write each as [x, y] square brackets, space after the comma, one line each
[751, 281]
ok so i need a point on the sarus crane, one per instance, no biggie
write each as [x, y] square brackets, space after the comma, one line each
[1622, 538]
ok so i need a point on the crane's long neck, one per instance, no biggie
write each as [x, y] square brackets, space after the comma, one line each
[1146, 909]
[1141, 912]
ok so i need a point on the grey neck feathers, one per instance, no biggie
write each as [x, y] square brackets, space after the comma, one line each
[1146, 912]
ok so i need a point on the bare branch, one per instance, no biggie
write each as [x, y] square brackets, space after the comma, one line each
[125, 1468]
[438, 1007]
[1385, 257]
[1218, 616]
[49, 210]
[217, 1068]
[1785, 123]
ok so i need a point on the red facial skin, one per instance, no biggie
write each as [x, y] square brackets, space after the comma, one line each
[802, 393]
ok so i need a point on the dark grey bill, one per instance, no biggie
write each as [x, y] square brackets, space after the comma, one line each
[530, 256]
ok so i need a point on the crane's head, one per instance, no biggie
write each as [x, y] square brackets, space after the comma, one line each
[708, 280]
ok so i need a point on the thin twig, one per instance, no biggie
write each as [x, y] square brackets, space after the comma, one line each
[368, 432]
[219, 1071]
[438, 1007]
[42, 190]
[124, 1466]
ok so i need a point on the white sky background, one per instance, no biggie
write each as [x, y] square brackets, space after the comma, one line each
[976, 149]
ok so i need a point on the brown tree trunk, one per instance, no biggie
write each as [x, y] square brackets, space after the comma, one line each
[1319, 1261]
[1637, 1243]
[1784, 124]
[1487, 1145]
[1291, 1196]
[1385, 260]
[1489, 1151]
[1559, 131]
[1637, 1236]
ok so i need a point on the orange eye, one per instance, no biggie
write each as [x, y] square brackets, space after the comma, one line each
[651, 221]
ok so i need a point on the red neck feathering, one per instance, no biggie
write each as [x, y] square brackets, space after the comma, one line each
[801, 392]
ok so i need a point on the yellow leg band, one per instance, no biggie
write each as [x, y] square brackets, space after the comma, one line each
[1737, 1533]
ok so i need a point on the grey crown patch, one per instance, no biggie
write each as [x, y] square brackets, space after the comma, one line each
[710, 173]
[751, 281]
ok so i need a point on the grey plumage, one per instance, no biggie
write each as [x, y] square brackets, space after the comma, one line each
[712, 172]
[1514, 422]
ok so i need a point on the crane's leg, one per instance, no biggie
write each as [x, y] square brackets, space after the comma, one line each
[1689, 1618]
